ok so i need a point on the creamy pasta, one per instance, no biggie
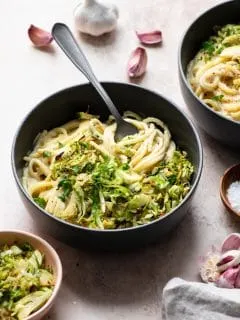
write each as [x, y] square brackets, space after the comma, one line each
[214, 73]
[79, 173]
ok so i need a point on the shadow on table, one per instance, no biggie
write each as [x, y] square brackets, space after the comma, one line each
[123, 278]
[104, 40]
[222, 154]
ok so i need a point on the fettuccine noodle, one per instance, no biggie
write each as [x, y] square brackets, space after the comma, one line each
[79, 173]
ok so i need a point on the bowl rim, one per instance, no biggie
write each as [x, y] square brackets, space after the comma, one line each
[71, 225]
[180, 66]
[223, 194]
[56, 259]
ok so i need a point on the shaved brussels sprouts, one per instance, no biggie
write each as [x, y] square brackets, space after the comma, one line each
[25, 284]
[111, 195]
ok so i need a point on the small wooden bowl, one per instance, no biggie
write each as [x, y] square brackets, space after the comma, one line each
[231, 175]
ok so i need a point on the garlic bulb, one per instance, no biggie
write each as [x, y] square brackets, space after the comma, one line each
[95, 18]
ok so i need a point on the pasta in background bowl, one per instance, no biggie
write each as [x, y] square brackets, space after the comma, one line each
[106, 165]
[208, 71]
[214, 73]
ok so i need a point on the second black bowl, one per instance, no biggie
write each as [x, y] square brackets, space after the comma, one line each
[219, 127]
[62, 107]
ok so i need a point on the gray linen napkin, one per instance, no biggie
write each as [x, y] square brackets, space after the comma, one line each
[183, 300]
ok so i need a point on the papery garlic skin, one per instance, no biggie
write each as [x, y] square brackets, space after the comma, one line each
[228, 278]
[237, 281]
[39, 37]
[95, 18]
[208, 269]
[228, 260]
[137, 63]
[231, 242]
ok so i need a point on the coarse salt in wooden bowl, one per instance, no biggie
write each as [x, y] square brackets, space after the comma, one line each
[230, 176]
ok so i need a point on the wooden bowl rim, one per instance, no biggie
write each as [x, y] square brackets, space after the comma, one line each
[228, 172]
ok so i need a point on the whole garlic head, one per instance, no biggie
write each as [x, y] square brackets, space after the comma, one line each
[95, 18]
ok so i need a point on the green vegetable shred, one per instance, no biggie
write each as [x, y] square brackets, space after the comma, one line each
[25, 283]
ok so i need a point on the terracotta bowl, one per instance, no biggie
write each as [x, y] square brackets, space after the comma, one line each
[51, 259]
[230, 175]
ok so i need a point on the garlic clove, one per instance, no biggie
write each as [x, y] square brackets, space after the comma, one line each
[231, 242]
[95, 18]
[208, 269]
[229, 259]
[152, 37]
[39, 37]
[228, 278]
[137, 63]
[237, 281]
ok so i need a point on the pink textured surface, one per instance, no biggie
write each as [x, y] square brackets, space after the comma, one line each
[109, 286]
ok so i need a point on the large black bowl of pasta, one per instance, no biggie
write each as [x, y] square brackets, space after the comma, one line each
[88, 190]
[209, 60]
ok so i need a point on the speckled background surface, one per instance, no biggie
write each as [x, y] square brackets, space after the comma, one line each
[106, 285]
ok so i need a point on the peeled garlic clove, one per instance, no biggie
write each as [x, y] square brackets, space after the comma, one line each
[228, 278]
[39, 37]
[232, 242]
[150, 37]
[229, 259]
[208, 269]
[137, 63]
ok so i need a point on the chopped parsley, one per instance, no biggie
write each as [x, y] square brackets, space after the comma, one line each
[220, 49]
[66, 186]
[218, 98]
[76, 169]
[209, 47]
[40, 201]
[88, 168]
[47, 154]
[172, 179]
[125, 166]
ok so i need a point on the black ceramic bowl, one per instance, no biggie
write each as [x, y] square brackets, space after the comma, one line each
[62, 107]
[224, 130]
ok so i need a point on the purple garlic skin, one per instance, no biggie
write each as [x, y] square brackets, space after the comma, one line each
[237, 281]
[152, 37]
[231, 242]
[223, 268]
[137, 63]
[39, 37]
[228, 279]
[229, 259]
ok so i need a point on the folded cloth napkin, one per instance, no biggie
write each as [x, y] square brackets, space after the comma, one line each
[183, 300]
